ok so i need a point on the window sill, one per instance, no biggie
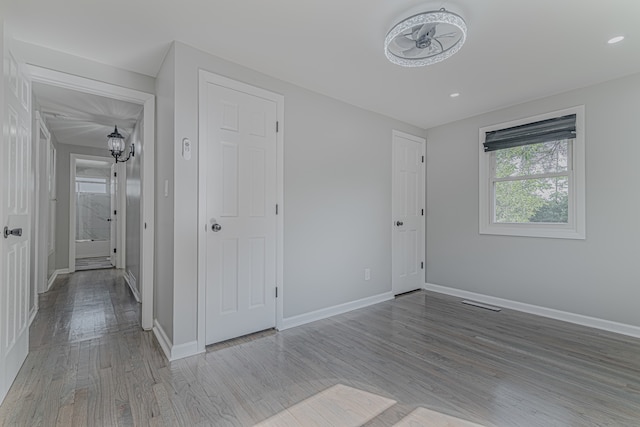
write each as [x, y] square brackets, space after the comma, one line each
[522, 230]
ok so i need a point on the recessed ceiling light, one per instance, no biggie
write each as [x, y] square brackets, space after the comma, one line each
[454, 95]
[615, 40]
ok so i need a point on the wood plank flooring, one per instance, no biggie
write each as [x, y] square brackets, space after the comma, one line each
[91, 365]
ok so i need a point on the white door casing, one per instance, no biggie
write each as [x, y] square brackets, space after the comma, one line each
[408, 212]
[15, 198]
[42, 143]
[147, 202]
[240, 180]
[73, 158]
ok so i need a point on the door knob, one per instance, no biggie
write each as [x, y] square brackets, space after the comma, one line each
[399, 223]
[216, 227]
[108, 219]
[13, 232]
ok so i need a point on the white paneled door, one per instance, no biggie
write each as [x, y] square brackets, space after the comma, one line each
[408, 213]
[113, 217]
[14, 249]
[238, 142]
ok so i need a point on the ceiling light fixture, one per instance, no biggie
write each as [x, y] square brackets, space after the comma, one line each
[116, 146]
[454, 95]
[426, 38]
[615, 40]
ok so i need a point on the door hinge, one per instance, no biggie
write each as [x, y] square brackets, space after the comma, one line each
[422, 265]
[115, 212]
[422, 159]
[422, 212]
[115, 251]
[276, 209]
[277, 127]
[115, 174]
[276, 292]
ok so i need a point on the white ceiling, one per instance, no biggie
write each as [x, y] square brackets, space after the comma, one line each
[516, 50]
[82, 119]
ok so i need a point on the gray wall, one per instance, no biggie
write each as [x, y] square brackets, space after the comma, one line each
[132, 243]
[63, 158]
[163, 264]
[594, 277]
[60, 61]
[337, 193]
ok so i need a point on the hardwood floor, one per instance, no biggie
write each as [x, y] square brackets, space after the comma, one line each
[91, 364]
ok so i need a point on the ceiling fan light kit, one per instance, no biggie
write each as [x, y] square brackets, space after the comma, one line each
[426, 38]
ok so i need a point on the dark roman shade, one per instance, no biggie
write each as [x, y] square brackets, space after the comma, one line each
[555, 129]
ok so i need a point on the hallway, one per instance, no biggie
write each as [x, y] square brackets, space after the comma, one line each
[86, 354]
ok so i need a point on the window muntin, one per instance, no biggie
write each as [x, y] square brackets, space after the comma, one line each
[531, 183]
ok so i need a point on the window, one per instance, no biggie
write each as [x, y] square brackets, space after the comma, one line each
[532, 176]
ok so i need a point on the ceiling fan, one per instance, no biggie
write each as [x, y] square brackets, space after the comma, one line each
[425, 38]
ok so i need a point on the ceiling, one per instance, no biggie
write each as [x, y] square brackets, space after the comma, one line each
[515, 51]
[78, 118]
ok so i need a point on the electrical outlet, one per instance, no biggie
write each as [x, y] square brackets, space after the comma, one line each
[367, 273]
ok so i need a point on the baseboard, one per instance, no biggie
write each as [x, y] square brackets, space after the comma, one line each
[185, 350]
[578, 319]
[302, 319]
[32, 313]
[174, 352]
[162, 338]
[54, 276]
[131, 281]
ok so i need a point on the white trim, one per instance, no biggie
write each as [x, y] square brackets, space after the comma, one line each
[174, 352]
[54, 276]
[73, 157]
[32, 314]
[578, 319]
[147, 213]
[83, 84]
[207, 76]
[423, 179]
[302, 319]
[181, 351]
[163, 339]
[576, 229]
[131, 281]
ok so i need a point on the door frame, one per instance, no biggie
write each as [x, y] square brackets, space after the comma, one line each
[209, 77]
[72, 205]
[147, 196]
[41, 249]
[423, 144]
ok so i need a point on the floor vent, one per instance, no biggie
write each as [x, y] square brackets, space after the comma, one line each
[479, 304]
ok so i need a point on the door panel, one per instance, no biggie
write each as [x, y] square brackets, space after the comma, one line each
[407, 208]
[15, 248]
[113, 232]
[241, 198]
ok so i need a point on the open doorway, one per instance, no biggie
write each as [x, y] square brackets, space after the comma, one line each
[95, 107]
[95, 204]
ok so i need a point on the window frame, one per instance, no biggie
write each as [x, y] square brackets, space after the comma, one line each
[575, 228]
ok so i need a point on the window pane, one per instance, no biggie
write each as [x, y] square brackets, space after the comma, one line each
[534, 159]
[532, 201]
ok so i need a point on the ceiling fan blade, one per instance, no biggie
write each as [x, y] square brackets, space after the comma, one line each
[452, 34]
[404, 42]
[410, 53]
[427, 29]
